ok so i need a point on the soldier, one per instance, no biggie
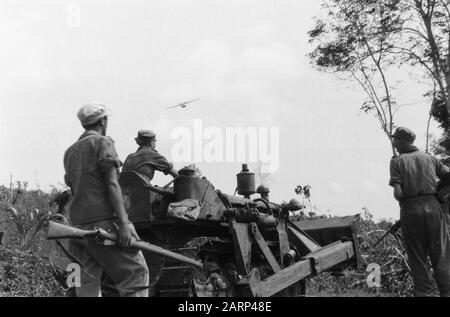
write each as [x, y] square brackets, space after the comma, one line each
[91, 171]
[263, 191]
[413, 175]
[146, 159]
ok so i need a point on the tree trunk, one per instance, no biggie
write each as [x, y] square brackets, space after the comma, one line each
[391, 141]
[442, 78]
[448, 77]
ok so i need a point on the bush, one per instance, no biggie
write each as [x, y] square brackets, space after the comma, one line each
[388, 254]
[25, 210]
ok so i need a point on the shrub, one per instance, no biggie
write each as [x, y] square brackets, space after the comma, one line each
[388, 254]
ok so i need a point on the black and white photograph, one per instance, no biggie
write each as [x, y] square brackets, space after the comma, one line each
[225, 153]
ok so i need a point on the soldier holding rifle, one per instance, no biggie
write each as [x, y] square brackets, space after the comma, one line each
[91, 171]
[414, 175]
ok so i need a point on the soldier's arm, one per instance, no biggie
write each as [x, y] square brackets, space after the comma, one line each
[395, 179]
[173, 172]
[398, 193]
[162, 164]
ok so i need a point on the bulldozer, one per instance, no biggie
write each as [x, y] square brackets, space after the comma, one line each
[248, 247]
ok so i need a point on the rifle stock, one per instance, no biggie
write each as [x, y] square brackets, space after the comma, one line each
[60, 231]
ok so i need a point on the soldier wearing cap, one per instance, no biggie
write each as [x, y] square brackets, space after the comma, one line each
[147, 159]
[91, 171]
[414, 175]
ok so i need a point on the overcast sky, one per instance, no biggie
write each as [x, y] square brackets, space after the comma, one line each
[245, 60]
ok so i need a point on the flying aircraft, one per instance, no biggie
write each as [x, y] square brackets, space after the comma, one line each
[183, 104]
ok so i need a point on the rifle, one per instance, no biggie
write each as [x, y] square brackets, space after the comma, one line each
[60, 231]
[391, 230]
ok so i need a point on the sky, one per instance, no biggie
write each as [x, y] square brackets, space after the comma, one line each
[247, 62]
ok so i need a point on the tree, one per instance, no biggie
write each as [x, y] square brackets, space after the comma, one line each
[429, 47]
[424, 45]
[352, 40]
[305, 193]
[367, 39]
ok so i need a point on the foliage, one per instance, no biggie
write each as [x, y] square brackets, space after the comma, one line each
[25, 208]
[26, 274]
[305, 193]
[30, 265]
[395, 277]
[366, 39]
[30, 272]
[352, 40]
[441, 148]
[389, 254]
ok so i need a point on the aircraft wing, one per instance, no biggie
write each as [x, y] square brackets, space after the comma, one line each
[191, 100]
[173, 106]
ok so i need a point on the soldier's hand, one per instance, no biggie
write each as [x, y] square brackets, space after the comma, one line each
[124, 235]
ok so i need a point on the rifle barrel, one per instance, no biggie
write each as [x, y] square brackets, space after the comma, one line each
[392, 230]
[381, 239]
[142, 245]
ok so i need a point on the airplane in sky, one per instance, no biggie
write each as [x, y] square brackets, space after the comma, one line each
[183, 104]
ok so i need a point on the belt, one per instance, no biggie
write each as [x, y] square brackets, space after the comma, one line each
[419, 196]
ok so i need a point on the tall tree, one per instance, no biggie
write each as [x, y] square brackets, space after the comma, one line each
[425, 43]
[367, 38]
[352, 40]
[429, 47]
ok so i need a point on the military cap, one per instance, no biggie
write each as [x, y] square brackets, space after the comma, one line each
[146, 134]
[262, 189]
[91, 113]
[404, 133]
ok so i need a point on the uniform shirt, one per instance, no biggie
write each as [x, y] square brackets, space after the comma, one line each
[416, 172]
[145, 161]
[86, 163]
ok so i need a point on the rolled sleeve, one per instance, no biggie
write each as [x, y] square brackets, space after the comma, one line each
[395, 177]
[107, 157]
[160, 163]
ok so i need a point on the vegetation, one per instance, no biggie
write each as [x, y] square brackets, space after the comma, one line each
[32, 266]
[23, 273]
[389, 255]
[366, 40]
